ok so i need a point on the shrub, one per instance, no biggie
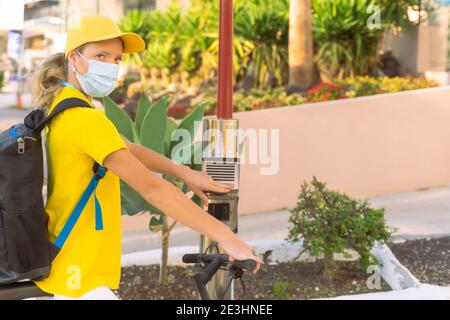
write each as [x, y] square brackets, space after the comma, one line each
[186, 42]
[331, 222]
[265, 99]
[254, 99]
[326, 92]
[366, 86]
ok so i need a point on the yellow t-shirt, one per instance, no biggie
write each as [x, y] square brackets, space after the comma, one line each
[74, 140]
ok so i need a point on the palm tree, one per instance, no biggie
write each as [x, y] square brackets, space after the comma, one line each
[301, 52]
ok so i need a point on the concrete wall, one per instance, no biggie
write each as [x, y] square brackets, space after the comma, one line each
[423, 50]
[404, 45]
[365, 147]
[433, 41]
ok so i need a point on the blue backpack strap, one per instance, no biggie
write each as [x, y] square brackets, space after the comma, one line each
[99, 173]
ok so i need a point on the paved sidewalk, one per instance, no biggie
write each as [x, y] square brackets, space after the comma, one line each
[8, 99]
[8, 117]
[415, 214]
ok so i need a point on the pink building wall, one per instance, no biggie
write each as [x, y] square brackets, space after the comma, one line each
[364, 146]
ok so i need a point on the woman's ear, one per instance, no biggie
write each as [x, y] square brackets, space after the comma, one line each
[71, 60]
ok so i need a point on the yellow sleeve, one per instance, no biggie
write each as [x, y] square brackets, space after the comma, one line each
[97, 136]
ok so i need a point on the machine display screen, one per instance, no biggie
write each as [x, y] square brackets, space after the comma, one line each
[220, 211]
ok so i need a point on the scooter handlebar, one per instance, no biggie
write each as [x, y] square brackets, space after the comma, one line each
[248, 265]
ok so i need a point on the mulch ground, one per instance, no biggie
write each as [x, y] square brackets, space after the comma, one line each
[428, 260]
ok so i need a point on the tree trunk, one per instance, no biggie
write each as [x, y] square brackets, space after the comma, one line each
[301, 51]
[328, 272]
[163, 272]
[165, 233]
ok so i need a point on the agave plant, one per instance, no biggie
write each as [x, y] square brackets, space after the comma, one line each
[153, 129]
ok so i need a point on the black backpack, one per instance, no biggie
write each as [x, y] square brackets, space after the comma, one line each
[25, 252]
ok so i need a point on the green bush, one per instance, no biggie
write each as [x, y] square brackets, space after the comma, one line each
[186, 43]
[254, 99]
[331, 222]
[366, 86]
[257, 99]
[181, 43]
[345, 45]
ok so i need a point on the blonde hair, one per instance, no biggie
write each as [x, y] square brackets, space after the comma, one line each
[46, 84]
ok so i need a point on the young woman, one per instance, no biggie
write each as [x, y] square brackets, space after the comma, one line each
[88, 265]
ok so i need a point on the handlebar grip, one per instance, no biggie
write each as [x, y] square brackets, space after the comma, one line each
[249, 265]
[191, 258]
[203, 258]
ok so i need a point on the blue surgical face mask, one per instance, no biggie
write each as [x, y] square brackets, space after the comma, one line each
[101, 78]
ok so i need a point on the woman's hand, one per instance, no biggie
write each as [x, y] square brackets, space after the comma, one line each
[169, 199]
[239, 250]
[200, 182]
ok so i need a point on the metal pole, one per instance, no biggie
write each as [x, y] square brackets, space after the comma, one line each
[220, 151]
[225, 76]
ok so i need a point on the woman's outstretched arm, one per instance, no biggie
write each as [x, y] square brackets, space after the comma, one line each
[169, 199]
[199, 182]
[155, 161]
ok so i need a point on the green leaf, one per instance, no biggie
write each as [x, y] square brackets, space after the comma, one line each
[171, 126]
[198, 201]
[155, 224]
[184, 188]
[132, 202]
[196, 155]
[154, 210]
[241, 148]
[189, 123]
[143, 106]
[128, 208]
[184, 152]
[153, 129]
[120, 118]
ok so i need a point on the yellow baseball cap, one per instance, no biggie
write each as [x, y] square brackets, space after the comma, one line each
[99, 28]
